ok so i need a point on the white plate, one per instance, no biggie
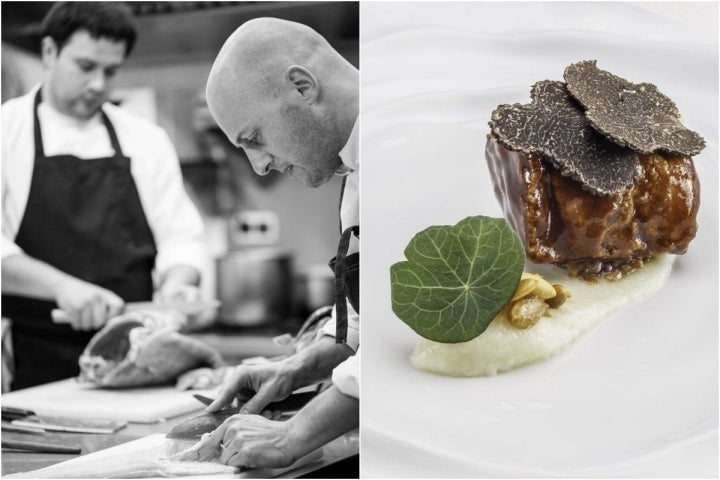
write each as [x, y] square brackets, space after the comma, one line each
[638, 395]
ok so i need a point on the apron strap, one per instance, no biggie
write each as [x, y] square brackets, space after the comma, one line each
[342, 195]
[40, 150]
[111, 133]
[341, 318]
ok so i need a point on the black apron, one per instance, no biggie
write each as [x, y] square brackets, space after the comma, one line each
[84, 217]
[347, 278]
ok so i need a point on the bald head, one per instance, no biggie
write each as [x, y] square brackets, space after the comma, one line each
[282, 93]
[257, 54]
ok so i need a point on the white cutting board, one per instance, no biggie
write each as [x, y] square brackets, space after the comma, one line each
[142, 452]
[68, 398]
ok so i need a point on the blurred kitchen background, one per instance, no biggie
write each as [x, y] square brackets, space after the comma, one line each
[269, 238]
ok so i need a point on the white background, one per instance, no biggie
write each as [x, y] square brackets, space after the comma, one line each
[638, 395]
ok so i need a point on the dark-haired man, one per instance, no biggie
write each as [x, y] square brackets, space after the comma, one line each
[93, 201]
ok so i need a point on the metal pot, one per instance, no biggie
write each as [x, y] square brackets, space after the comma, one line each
[316, 284]
[255, 287]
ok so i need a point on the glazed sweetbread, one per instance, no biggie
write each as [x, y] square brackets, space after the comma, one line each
[592, 235]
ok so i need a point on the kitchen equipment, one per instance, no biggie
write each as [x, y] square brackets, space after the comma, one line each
[68, 398]
[41, 447]
[12, 413]
[252, 228]
[67, 424]
[255, 287]
[195, 427]
[9, 427]
[202, 399]
[317, 287]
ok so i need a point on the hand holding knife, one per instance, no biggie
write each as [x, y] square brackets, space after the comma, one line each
[194, 427]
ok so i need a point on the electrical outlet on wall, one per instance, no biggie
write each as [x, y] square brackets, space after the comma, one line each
[250, 228]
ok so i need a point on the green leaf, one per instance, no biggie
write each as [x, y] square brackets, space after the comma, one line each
[457, 278]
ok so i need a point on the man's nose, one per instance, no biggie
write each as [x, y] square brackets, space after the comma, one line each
[260, 161]
[98, 81]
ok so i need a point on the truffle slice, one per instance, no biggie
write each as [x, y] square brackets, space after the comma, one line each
[633, 115]
[554, 126]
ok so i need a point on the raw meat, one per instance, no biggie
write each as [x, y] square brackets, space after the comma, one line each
[142, 348]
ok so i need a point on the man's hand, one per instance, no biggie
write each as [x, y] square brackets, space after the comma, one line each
[250, 441]
[257, 385]
[255, 441]
[88, 306]
[271, 382]
[178, 284]
[176, 292]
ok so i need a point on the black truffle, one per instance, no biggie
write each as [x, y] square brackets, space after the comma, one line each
[554, 127]
[633, 115]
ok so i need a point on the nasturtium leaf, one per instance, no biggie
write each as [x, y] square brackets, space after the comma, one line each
[457, 278]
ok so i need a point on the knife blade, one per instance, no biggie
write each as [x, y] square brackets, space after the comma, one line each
[203, 399]
[39, 447]
[186, 308]
[9, 427]
[13, 413]
[193, 428]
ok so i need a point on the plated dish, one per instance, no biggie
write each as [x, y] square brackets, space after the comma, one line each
[635, 396]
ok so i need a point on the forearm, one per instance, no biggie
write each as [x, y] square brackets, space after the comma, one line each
[317, 361]
[328, 416]
[24, 275]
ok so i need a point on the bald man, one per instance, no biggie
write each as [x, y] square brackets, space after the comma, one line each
[280, 92]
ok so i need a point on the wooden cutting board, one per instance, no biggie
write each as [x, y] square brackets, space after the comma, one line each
[68, 398]
[141, 455]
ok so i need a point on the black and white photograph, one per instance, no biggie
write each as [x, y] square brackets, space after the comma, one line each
[180, 263]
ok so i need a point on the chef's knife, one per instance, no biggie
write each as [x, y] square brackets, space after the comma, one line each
[13, 413]
[39, 447]
[193, 428]
[186, 308]
[9, 427]
[203, 399]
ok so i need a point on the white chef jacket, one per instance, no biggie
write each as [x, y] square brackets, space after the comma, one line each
[346, 375]
[173, 219]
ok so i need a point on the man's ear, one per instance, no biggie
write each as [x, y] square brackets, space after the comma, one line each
[304, 82]
[48, 51]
